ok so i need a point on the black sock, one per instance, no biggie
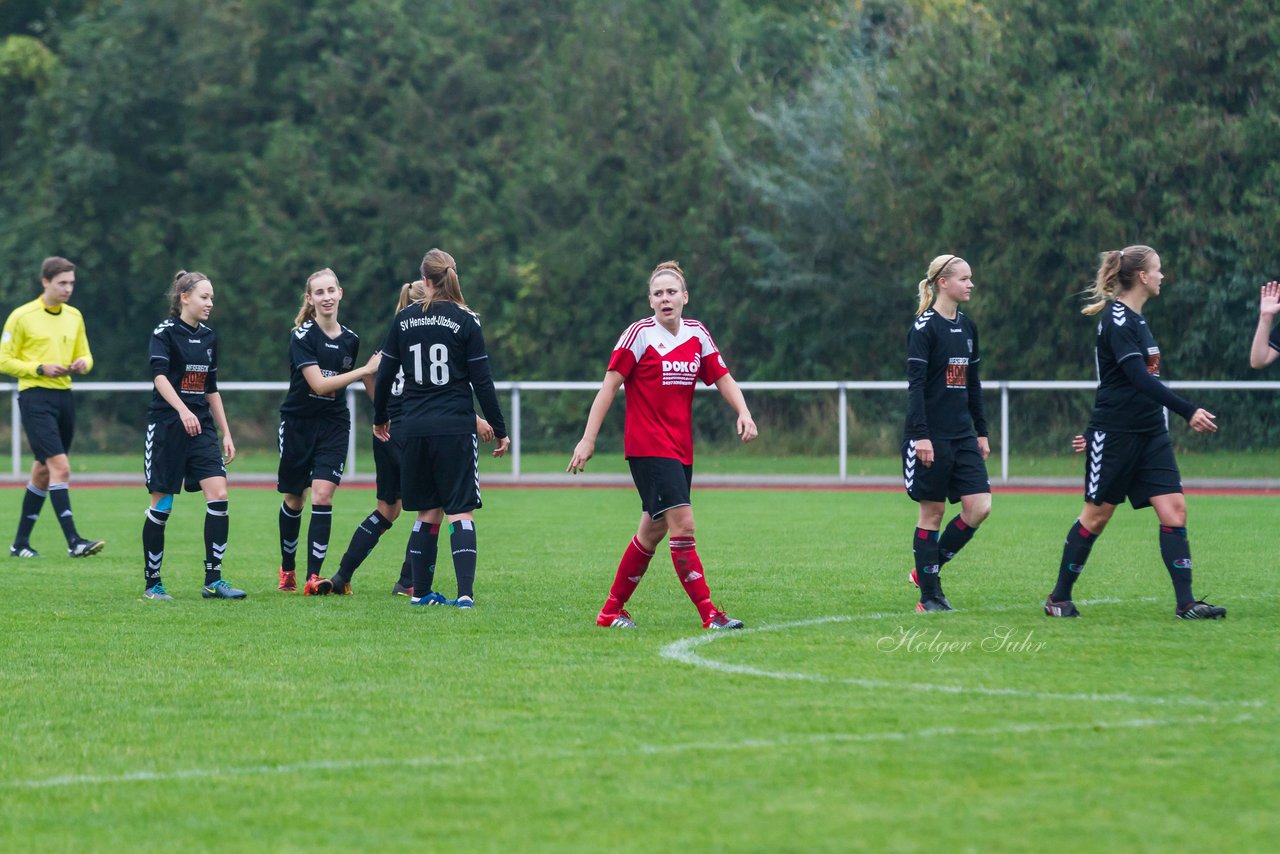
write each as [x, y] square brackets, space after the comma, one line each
[60, 498]
[290, 525]
[366, 536]
[924, 545]
[422, 557]
[1176, 551]
[462, 540]
[318, 537]
[32, 502]
[153, 545]
[216, 525]
[1075, 552]
[406, 569]
[954, 537]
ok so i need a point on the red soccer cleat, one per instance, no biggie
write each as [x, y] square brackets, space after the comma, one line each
[288, 583]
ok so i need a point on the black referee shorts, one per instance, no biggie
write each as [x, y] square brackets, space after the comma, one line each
[662, 482]
[1136, 466]
[49, 419]
[958, 470]
[172, 459]
[311, 449]
[441, 471]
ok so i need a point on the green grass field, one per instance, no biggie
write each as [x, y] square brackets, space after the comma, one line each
[840, 720]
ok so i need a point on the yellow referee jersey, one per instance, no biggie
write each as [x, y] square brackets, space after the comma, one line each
[35, 335]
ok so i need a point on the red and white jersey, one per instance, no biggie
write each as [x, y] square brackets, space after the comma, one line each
[659, 370]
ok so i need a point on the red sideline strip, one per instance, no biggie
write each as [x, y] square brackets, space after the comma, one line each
[1236, 491]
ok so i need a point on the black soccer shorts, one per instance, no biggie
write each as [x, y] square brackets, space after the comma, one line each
[958, 470]
[386, 463]
[1137, 466]
[311, 449]
[441, 471]
[663, 483]
[172, 459]
[49, 419]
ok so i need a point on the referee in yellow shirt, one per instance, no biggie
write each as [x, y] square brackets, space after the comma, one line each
[43, 345]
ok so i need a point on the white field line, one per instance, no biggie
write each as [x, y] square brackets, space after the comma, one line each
[588, 751]
[684, 651]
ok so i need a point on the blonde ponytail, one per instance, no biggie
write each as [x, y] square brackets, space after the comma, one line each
[1116, 274]
[928, 286]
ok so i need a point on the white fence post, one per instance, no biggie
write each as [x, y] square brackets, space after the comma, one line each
[515, 430]
[844, 432]
[1004, 432]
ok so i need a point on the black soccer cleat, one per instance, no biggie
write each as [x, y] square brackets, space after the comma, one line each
[934, 603]
[1201, 611]
[85, 548]
[1065, 608]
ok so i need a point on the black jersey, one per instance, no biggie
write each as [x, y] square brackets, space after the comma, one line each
[309, 345]
[188, 357]
[1274, 340]
[944, 393]
[1123, 334]
[441, 353]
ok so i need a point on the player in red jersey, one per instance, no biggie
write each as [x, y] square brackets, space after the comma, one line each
[660, 359]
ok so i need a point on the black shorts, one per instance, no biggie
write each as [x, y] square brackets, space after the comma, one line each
[49, 418]
[958, 470]
[386, 463]
[662, 482]
[311, 449]
[441, 471]
[172, 459]
[1137, 466]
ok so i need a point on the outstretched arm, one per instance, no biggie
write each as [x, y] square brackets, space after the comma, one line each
[586, 447]
[1261, 353]
[729, 390]
[320, 384]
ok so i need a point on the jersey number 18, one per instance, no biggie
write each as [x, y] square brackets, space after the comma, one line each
[438, 366]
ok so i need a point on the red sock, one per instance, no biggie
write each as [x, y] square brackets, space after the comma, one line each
[635, 560]
[684, 557]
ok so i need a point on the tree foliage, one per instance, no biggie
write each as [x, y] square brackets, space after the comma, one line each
[803, 160]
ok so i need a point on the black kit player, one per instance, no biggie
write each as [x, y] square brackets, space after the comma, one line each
[315, 424]
[1129, 451]
[387, 455]
[183, 421]
[945, 443]
[438, 343]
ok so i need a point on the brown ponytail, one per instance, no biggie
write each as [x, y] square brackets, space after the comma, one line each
[182, 284]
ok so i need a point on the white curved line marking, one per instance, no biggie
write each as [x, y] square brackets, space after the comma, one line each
[588, 751]
[684, 652]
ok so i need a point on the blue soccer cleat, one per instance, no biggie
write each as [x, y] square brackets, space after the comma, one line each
[220, 589]
[432, 598]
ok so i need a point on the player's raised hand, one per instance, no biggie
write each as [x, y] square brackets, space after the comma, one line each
[583, 451]
[1269, 304]
[1202, 422]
